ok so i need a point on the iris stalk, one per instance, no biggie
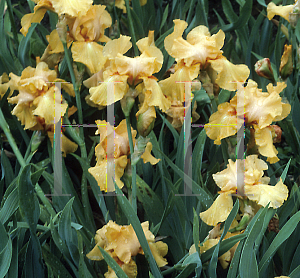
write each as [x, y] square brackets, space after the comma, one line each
[133, 167]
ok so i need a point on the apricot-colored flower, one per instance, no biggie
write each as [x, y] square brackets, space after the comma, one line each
[258, 109]
[122, 244]
[256, 188]
[85, 31]
[35, 101]
[71, 8]
[112, 157]
[203, 49]
[124, 71]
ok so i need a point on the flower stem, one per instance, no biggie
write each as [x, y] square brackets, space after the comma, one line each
[84, 191]
[22, 162]
[133, 167]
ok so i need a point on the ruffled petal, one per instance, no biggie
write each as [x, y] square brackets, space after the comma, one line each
[223, 123]
[264, 141]
[123, 241]
[219, 210]
[89, 54]
[227, 179]
[157, 97]
[71, 7]
[39, 11]
[99, 94]
[45, 106]
[263, 194]
[174, 86]
[99, 172]
[120, 45]
[229, 74]
[199, 47]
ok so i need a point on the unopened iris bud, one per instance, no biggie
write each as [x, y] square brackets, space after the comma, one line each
[38, 138]
[127, 101]
[145, 122]
[278, 133]
[286, 64]
[263, 68]
[61, 28]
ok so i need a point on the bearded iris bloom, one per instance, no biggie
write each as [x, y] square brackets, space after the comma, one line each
[135, 72]
[256, 189]
[122, 244]
[201, 50]
[85, 32]
[72, 8]
[260, 110]
[116, 157]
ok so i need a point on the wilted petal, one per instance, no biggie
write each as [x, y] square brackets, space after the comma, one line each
[263, 194]
[4, 85]
[219, 210]
[283, 11]
[147, 157]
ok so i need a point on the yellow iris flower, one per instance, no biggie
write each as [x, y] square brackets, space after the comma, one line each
[204, 50]
[122, 244]
[85, 31]
[116, 158]
[125, 71]
[256, 188]
[259, 108]
[35, 101]
[69, 7]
